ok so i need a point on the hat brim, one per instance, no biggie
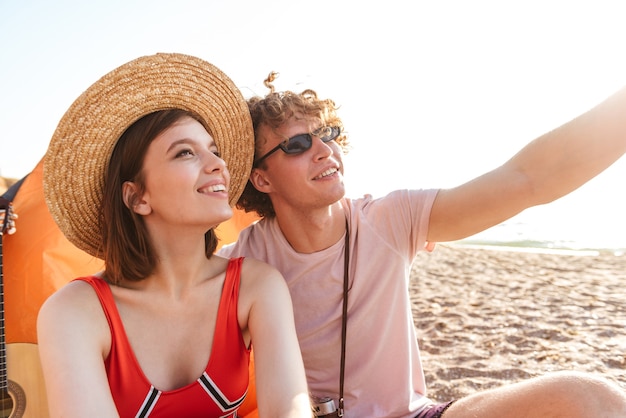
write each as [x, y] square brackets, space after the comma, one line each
[78, 155]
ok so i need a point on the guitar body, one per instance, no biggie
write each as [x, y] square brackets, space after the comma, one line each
[25, 384]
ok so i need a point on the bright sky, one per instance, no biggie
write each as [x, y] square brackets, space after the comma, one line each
[431, 93]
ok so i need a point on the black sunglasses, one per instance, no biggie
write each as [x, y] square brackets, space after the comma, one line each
[302, 142]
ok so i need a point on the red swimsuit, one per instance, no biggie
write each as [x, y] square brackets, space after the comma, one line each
[219, 392]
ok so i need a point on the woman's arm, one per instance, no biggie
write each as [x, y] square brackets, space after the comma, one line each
[546, 169]
[280, 379]
[73, 338]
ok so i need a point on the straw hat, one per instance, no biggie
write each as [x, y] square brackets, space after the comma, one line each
[78, 155]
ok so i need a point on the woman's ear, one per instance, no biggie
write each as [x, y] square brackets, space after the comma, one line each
[134, 201]
[260, 181]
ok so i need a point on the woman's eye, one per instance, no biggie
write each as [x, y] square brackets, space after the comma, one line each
[184, 153]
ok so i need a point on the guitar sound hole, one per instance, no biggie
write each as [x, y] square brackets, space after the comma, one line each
[12, 404]
[6, 404]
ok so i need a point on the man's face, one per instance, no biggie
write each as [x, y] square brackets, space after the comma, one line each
[306, 180]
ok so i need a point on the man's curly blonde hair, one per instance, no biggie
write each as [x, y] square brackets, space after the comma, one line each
[275, 109]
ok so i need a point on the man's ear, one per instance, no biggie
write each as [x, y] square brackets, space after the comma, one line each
[260, 181]
[132, 199]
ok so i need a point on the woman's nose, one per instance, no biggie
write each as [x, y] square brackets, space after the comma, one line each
[213, 163]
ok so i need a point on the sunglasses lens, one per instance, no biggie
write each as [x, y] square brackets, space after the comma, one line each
[297, 144]
[327, 133]
[300, 143]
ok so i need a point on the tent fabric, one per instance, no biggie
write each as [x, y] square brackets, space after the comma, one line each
[38, 260]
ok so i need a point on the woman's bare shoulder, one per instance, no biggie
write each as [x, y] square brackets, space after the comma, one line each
[260, 280]
[73, 305]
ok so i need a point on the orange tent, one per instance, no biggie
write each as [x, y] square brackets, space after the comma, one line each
[38, 260]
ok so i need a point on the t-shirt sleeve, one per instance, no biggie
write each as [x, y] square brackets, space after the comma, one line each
[402, 218]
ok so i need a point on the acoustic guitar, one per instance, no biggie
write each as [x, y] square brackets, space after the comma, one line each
[22, 389]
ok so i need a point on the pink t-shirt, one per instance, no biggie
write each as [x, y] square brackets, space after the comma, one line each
[384, 376]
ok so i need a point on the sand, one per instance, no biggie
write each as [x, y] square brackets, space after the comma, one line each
[489, 317]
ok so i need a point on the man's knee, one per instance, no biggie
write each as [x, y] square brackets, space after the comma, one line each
[561, 394]
[575, 394]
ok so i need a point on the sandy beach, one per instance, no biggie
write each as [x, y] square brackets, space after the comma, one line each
[488, 317]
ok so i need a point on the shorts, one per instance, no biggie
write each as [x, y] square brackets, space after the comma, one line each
[434, 411]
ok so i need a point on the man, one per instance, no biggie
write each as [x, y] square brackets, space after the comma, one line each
[296, 186]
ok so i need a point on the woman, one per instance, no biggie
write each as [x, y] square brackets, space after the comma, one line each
[136, 174]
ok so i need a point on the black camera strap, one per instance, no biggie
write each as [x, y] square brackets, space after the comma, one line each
[344, 317]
